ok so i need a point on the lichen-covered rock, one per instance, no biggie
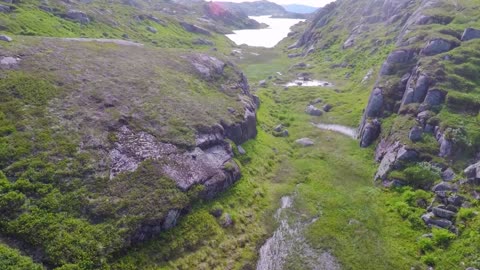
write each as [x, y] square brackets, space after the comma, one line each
[470, 33]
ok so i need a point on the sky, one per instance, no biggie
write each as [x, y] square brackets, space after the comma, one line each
[313, 3]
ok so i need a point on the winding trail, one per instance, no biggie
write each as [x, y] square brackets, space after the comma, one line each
[348, 131]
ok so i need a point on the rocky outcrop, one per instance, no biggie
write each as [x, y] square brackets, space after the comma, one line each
[395, 58]
[370, 130]
[392, 156]
[78, 16]
[470, 33]
[5, 9]
[437, 46]
[207, 66]
[195, 29]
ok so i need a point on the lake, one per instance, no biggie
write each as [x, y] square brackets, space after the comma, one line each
[278, 29]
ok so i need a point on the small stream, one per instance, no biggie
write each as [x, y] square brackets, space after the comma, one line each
[348, 131]
[288, 242]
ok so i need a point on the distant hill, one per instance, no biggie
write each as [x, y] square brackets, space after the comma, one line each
[259, 8]
[302, 9]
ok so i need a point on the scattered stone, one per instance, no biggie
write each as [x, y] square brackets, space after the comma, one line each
[227, 220]
[5, 38]
[446, 147]
[231, 110]
[78, 16]
[470, 33]
[293, 55]
[415, 134]
[368, 76]
[305, 142]
[300, 65]
[314, 111]
[208, 66]
[443, 213]
[448, 175]
[284, 133]
[151, 29]
[241, 151]
[278, 128]
[217, 212]
[262, 83]
[327, 107]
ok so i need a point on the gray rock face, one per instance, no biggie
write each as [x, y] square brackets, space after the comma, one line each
[305, 142]
[370, 133]
[456, 200]
[470, 33]
[396, 57]
[473, 171]
[5, 38]
[446, 147]
[5, 9]
[195, 29]
[437, 46]
[78, 16]
[314, 111]
[421, 88]
[415, 134]
[434, 97]
[200, 166]
[443, 213]
[209, 67]
[375, 103]
[151, 29]
[391, 156]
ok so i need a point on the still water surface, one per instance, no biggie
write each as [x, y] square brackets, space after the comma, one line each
[268, 37]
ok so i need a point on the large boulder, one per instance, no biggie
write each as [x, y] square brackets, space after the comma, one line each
[396, 57]
[446, 147]
[78, 16]
[437, 46]
[415, 134]
[470, 33]
[433, 98]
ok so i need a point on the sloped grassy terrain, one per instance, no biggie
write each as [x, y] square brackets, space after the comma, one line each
[62, 106]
